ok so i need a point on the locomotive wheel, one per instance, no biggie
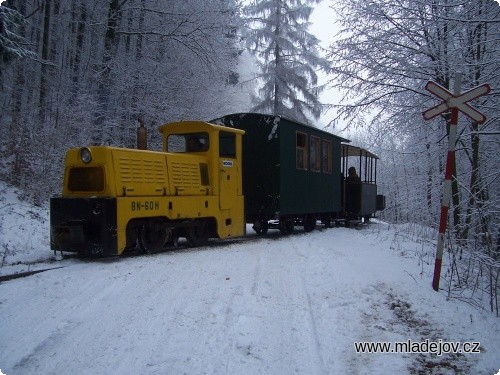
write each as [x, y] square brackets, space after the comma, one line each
[152, 237]
[197, 235]
[172, 238]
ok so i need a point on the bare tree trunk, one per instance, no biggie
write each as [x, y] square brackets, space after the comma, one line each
[277, 61]
[17, 122]
[476, 55]
[42, 105]
[80, 34]
[429, 179]
[474, 181]
[138, 58]
[105, 80]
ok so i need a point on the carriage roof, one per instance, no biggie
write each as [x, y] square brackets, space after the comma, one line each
[349, 150]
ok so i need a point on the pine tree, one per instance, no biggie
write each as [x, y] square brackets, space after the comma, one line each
[287, 56]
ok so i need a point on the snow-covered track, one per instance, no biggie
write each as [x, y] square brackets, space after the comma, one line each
[25, 274]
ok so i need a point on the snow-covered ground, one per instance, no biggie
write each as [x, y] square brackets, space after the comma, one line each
[24, 231]
[272, 305]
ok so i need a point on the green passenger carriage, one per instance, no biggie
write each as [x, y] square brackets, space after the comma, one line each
[291, 172]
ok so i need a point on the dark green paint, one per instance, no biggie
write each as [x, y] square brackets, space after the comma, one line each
[272, 184]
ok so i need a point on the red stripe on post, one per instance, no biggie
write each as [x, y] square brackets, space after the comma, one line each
[443, 220]
[450, 162]
[454, 116]
[437, 274]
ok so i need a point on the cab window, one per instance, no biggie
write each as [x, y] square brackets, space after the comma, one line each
[227, 145]
[191, 142]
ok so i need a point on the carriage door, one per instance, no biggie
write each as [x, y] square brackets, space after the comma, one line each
[228, 170]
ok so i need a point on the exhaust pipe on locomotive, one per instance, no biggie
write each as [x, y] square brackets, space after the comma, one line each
[142, 136]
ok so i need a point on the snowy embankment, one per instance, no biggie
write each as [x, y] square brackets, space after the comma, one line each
[273, 305]
[24, 231]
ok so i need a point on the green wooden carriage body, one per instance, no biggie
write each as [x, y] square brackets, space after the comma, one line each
[281, 174]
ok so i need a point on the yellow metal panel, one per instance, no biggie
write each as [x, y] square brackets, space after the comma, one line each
[173, 186]
[171, 208]
[231, 222]
[101, 157]
[129, 208]
[185, 175]
[140, 173]
[228, 182]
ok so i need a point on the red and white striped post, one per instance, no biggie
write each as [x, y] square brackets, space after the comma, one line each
[445, 205]
[456, 102]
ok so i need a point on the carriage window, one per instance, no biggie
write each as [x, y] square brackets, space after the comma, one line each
[227, 145]
[315, 154]
[327, 157]
[301, 146]
[192, 142]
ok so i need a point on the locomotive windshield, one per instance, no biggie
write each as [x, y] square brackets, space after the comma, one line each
[189, 142]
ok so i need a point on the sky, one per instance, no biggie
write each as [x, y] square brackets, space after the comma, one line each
[324, 28]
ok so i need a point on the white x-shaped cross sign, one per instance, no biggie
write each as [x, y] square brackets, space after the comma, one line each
[459, 102]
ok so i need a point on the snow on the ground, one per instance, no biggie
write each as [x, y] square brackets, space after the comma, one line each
[272, 305]
[24, 230]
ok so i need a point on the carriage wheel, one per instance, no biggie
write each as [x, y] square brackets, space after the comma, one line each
[327, 221]
[152, 237]
[261, 227]
[286, 226]
[309, 224]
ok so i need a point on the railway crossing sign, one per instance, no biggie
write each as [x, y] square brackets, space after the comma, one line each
[456, 101]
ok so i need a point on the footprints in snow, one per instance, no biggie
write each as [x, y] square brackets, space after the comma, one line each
[396, 316]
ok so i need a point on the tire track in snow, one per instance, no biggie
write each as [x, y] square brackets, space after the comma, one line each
[310, 310]
[280, 326]
[43, 350]
[268, 319]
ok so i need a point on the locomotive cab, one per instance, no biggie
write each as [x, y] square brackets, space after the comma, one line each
[221, 174]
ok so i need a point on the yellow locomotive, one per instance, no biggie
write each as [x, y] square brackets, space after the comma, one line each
[115, 199]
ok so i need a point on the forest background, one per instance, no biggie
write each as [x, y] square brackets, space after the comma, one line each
[86, 71]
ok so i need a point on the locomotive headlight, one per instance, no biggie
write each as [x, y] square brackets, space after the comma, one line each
[85, 155]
